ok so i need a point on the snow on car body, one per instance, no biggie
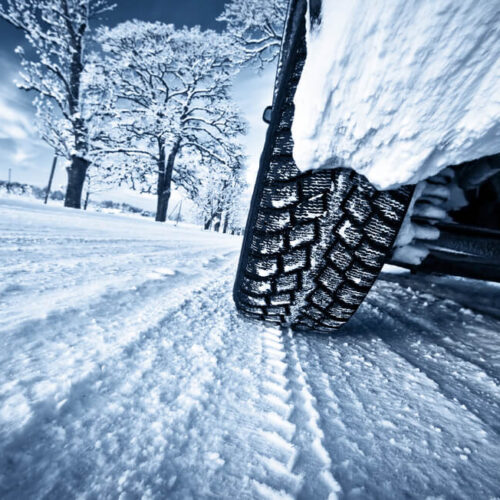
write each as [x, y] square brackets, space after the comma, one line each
[399, 90]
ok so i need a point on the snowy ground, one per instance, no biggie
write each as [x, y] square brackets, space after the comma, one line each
[124, 370]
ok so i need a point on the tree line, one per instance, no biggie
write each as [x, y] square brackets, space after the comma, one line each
[144, 104]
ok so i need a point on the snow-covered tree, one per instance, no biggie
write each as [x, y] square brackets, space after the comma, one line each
[57, 30]
[236, 209]
[256, 28]
[96, 181]
[219, 196]
[171, 98]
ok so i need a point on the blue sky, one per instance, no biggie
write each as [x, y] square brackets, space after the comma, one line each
[29, 159]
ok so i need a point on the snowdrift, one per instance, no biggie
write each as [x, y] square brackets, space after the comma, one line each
[399, 89]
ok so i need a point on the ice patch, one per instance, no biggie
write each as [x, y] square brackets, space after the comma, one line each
[398, 90]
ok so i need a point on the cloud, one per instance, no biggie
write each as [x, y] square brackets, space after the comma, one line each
[21, 150]
[14, 123]
[16, 111]
[20, 156]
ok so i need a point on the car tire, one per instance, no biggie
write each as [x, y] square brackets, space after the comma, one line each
[315, 242]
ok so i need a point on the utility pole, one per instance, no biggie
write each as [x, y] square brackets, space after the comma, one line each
[86, 203]
[179, 214]
[49, 186]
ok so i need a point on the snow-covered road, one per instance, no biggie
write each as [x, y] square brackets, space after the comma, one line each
[126, 372]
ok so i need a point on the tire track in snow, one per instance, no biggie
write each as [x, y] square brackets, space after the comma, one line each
[459, 378]
[45, 358]
[40, 260]
[272, 443]
[196, 407]
[126, 427]
[390, 421]
[337, 438]
[38, 255]
[313, 462]
[43, 274]
[277, 480]
[464, 333]
[244, 428]
[86, 284]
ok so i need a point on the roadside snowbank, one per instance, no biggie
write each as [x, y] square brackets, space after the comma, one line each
[400, 89]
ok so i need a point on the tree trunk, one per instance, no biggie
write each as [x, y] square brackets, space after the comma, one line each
[76, 179]
[218, 220]
[165, 178]
[209, 220]
[161, 207]
[226, 223]
[79, 165]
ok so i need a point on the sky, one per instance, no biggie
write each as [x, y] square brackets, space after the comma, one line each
[29, 159]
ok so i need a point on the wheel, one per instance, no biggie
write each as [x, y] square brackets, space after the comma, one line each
[314, 242]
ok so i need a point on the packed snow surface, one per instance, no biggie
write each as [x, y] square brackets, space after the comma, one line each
[125, 372]
[399, 89]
